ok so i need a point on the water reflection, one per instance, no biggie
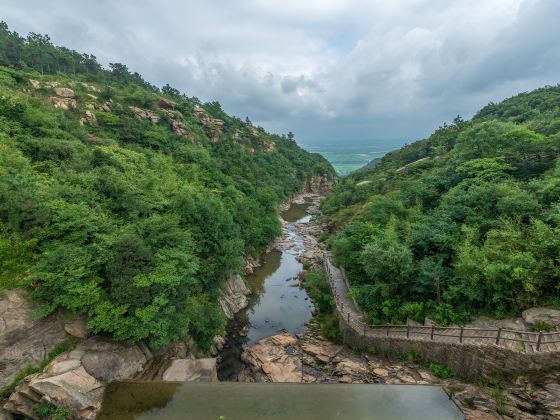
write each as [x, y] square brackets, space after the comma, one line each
[276, 401]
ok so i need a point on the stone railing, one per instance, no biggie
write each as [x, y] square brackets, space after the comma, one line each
[513, 340]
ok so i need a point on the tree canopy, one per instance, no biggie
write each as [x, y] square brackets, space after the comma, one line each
[129, 204]
[464, 222]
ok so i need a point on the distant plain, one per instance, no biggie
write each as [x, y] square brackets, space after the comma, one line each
[353, 154]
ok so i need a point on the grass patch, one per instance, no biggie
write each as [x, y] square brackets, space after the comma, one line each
[48, 410]
[328, 324]
[499, 397]
[414, 356]
[441, 371]
[542, 326]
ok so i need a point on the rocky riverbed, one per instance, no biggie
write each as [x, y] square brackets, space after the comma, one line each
[310, 358]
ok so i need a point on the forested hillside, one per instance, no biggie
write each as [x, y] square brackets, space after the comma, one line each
[128, 203]
[464, 222]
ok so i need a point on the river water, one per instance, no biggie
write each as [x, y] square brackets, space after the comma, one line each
[278, 302]
[238, 401]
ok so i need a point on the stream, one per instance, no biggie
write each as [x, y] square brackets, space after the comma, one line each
[278, 302]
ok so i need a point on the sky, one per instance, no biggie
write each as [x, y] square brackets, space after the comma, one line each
[328, 70]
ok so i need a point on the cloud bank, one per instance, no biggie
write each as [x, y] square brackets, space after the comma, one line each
[329, 70]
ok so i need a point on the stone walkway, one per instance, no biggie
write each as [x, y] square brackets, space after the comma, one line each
[519, 341]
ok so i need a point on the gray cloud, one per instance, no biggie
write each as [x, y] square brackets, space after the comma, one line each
[325, 69]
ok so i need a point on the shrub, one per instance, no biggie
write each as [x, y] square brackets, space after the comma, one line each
[441, 371]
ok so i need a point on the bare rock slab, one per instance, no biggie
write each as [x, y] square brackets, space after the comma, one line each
[24, 340]
[192, 370]
[233, 297]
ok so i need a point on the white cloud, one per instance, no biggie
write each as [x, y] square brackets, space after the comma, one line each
[326, 69]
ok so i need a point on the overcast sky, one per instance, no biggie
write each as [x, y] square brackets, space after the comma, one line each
[329, 70]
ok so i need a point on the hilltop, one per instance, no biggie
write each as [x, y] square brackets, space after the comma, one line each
[127, 203]
[465, 222]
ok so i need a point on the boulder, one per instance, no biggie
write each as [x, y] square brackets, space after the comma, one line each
[77, 378]
[270, 358]
[106, 107]
[233, 296]
[35, 83]
[324, 352]
[24, 340]
[108, 361]
[75, 388]
[487, 322]
[351, 367]
[548, 315]
[413, 323]
[90, 87]
[77, 327]
[145, 114]
[64, 92]
[191, 370]
[63, 103]
[179, 128]
[165, 103]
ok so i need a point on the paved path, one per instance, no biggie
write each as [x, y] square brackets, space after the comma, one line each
[519, 341]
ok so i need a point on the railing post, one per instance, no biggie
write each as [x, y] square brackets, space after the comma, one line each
[539, 340]
[461, 335]
[387, 331]
[432, 333]
[407, 330]
[498, 335]
[348, 318]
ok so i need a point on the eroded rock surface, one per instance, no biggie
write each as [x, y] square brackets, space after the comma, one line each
[24, 340]
[233, 297]
[311, 358]
[547, 315]
[77, 378]
[273, 359]
[191, 370]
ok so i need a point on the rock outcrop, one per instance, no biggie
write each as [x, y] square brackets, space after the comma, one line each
[318, 185]
[311, 358]
[65, 104]
[213, 127]
[547, 315]
[233, 297]
[273, 359]
[77, 378]
[24, 340]
[63, 92]
[191, 370]
[165, 103]
[145, 114]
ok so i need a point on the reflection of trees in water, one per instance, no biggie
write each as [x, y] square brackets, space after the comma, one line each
[135, 398]
[295, 212]
[271, 263]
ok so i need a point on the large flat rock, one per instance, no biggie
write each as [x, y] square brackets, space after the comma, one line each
[192, 370]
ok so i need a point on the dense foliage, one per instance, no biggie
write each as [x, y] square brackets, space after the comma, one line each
[319, 290]
[464, 222]
[126, 203]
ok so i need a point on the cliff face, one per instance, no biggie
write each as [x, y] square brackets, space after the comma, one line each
[319, 184]
[233, 297]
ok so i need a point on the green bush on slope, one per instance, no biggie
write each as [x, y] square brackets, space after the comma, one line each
[121, 218]
[464, 222]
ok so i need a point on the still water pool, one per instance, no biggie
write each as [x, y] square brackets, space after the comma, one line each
[238, 401]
